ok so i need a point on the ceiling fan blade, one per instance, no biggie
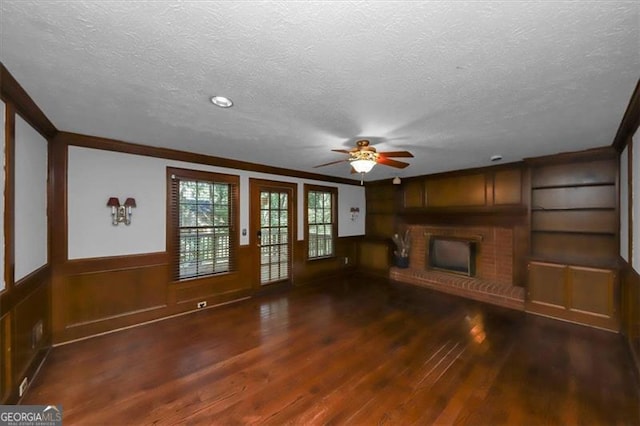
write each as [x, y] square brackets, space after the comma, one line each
[344, 151]
[392, 163]
[332, 162]
[353, 170]
[396, 154]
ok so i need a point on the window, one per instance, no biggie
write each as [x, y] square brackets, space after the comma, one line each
[321, 221]
[202, 217]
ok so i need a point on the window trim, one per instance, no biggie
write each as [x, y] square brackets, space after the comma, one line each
[172, 229]
[334, 213]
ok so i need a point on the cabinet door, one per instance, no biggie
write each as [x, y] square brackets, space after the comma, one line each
[573, 293]
[546, 284]
[592, 291]
[507, 187]
[457, 191]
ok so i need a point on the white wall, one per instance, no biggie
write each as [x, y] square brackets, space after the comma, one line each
[4, 144]
[95, 175]
[624, 204]
[30, 199]
[350, 196]
[635, 202]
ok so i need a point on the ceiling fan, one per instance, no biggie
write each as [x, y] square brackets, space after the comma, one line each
[363, 157]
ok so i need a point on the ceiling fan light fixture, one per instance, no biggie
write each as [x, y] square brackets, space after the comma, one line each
[363, 161]
[363, 165]
[222, 101]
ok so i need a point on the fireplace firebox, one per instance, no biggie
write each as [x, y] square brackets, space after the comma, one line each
[450, 254]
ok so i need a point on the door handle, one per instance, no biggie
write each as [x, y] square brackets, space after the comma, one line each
[259, 238]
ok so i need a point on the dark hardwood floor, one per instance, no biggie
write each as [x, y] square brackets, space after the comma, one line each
[345, 353]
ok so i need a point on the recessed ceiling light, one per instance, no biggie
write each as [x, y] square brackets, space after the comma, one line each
[496, 157]
[221, 101]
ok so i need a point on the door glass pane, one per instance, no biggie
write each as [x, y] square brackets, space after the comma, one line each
[274, 223]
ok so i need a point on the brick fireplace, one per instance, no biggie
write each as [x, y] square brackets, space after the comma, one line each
[493, 280]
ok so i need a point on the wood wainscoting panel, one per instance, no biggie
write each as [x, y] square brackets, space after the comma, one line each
[374, 257]
[103, 296]
[5, 359]
[310, 271]
[456, 191]
[25, 334]
[31, 325]
[201, 289]
[630, 315]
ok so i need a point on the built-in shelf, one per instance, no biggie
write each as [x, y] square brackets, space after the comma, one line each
[576, 261]
[574, 185]
[572, 267]
[573, 232]
[572, 209]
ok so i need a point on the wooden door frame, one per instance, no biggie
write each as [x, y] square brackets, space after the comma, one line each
[255, 185]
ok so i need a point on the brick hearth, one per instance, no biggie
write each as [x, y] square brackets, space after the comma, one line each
[493, 282]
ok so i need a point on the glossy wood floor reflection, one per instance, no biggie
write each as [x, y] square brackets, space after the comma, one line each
[345, 353]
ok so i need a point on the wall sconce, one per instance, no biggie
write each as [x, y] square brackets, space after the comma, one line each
[355, 211]
[121, 213]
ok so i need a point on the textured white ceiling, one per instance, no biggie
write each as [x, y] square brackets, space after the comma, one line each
[454, 82]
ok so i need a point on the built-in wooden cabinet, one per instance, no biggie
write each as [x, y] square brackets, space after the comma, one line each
[574, 215]
[574, 293]
[457, 191]
[547, 285]
[485, 189]
[507, 187]
[572, 273]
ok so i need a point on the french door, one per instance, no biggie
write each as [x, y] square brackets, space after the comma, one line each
[272, 229]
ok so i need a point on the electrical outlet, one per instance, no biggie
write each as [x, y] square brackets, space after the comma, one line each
[202, 304]
[23, 387]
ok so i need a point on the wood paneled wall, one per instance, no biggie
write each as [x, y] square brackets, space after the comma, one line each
[494, 196]
[375, 253]
[25, 326]
[630, 293]
[561, 208]
[496, 189]
[72, 299]
[630, 280]
[94, 296]
[574, 208]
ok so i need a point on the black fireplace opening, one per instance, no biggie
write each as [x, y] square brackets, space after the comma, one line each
[451, 254]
